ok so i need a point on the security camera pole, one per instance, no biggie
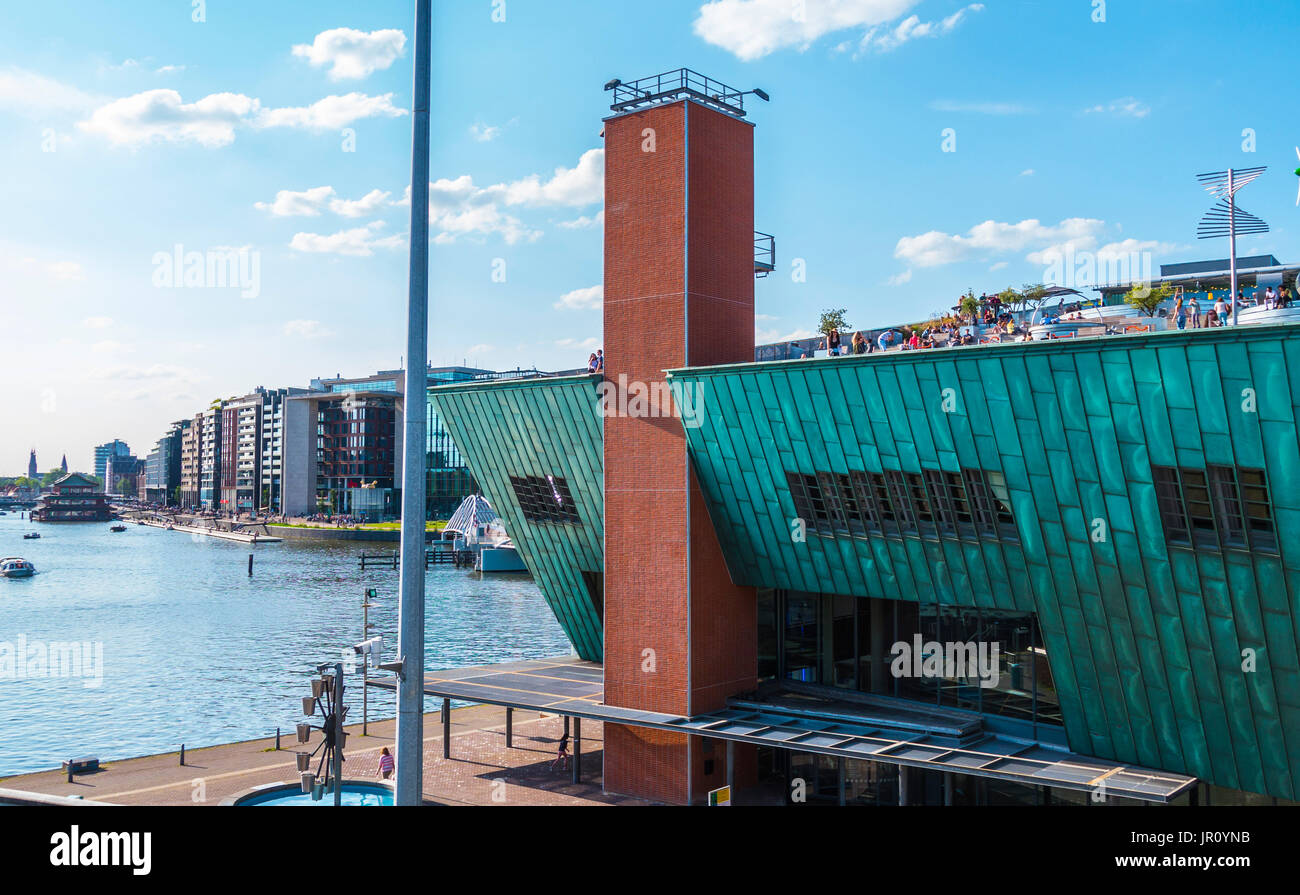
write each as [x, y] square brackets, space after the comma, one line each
[410, 616]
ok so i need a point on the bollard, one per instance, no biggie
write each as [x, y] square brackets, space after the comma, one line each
[182, 755]
[277, 739]
[250, 565]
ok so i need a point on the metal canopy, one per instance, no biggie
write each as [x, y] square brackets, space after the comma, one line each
[576, 688]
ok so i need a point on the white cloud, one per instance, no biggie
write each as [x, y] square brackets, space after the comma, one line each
[97, 322]
[28, 93]
[169, 69]
[151, 372]
[353, 54]
[583, 184]
[1028, 172]
[751, 29]
[307, 203]
[590, 299]
[993, 237]
[358, 208]
[162, 115]
[901, 279]
[459, 207]
[1127, 107]
[585, 344]
[980, 108]
[66, 270]
[484, 133]
[584, 222]
[772, 336]
[358, 242]
[479, 349]
[885, 39]
[999, 266]
[306, 329]
[332, 112]
[311, 203]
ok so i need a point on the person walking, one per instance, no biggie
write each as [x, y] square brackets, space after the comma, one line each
[386, 763]
[562, 754]
[1194, 313]
[1221, 311]
[1180, 313]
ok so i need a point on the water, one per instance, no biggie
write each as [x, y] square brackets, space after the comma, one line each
[195, 651]
[352, 796]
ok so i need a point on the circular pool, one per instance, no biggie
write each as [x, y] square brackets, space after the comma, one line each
[355, 793]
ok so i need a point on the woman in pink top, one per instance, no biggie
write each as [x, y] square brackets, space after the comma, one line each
[385, 763]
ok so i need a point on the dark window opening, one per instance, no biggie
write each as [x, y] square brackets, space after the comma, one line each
[595, 582]
[1221, 506]
[545, 499]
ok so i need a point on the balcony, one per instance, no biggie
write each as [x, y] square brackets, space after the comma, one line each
[764, 254]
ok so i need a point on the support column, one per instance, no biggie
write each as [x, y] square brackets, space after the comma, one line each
[446, 728]
[844, 783]
[510, 731]
[577, 750]
[902, 785]
[947, 790]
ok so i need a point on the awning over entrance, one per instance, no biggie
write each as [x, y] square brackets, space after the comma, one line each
[937, 740]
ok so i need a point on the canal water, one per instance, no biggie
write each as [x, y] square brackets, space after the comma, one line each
[195, 651]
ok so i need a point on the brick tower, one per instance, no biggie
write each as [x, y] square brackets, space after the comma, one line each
[680, 637]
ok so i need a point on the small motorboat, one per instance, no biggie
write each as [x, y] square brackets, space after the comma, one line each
[32, 536]
[16, 567]
[117, 529]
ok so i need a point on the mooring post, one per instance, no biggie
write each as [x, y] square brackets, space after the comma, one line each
[250, 565]
[182, 755]
[277, 739]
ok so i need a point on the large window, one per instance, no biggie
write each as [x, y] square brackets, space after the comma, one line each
[1217, 507]
[969, 504]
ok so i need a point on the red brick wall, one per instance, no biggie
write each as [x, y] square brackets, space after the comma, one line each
[666, 586]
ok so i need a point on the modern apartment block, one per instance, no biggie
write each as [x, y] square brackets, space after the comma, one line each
[210, 444]
[114, 448]
[191, 449]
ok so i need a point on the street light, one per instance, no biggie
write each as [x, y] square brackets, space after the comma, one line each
[1226, 219]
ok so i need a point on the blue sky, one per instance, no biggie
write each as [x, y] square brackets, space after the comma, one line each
[230, 134]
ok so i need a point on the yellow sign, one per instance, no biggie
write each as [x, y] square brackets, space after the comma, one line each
[720, 797]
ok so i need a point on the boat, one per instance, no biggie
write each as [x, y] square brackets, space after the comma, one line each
[16, 567]
[117, 528]
[32, 536]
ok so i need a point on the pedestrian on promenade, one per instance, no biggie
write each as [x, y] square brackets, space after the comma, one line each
[562, 753]
[385, 763]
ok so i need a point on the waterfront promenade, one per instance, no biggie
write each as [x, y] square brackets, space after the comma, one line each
[479, 765]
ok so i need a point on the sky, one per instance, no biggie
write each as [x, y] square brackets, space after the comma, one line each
[913, 149]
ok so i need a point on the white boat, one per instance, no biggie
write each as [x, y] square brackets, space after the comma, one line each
[477, 529]
[16, 567]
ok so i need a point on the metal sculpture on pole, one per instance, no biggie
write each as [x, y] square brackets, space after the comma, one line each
[1226, 219]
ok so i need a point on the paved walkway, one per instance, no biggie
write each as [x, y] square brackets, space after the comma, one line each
[481, 771]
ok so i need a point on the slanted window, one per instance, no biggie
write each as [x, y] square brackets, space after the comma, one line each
[545, 499]
[1221, 506]
[865, 502]
[990, 504]
[922, 504]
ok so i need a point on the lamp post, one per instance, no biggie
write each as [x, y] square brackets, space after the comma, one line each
[410, 618]
[366, 628]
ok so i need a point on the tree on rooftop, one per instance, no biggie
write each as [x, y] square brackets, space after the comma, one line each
[833, 320]
[969, 305]
[1147, 299]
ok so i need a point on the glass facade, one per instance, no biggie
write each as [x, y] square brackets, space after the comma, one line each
[979, 660]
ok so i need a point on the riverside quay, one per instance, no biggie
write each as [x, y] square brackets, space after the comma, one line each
[1044, 572]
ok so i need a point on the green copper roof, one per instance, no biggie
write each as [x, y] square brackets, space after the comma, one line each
[532, 429]
[1146, 641]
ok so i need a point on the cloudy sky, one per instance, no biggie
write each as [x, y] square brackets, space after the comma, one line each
[913, 149]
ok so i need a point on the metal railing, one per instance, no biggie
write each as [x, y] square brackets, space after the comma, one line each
[674, 85]
[764, 253]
